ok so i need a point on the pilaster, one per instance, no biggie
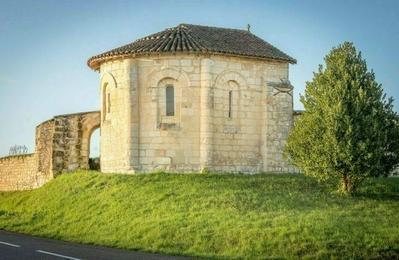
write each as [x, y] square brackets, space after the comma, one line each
[206, 118]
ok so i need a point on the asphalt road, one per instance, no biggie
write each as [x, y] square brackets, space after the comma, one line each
[19, 246]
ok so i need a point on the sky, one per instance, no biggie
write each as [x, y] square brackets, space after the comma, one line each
[45, 44]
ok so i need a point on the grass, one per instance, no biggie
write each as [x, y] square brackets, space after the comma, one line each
[210, 215]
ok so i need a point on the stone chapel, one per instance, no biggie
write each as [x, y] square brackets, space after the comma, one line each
[195, 98]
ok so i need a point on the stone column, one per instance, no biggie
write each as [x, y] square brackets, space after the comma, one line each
[123, 116]
[134, 117]
[267, 102]
[206, 118]
[279, 120]
[286, 122]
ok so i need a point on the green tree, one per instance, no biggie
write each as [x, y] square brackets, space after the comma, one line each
[348, 130]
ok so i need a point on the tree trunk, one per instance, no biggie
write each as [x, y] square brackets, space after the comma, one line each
[347, 185]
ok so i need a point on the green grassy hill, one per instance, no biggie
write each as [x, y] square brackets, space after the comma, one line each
[209, 215]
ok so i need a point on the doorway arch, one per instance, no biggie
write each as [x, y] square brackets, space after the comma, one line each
[94, 150]
[90, 123]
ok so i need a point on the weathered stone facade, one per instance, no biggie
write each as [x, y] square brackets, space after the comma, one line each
[71, 140]
[206, 131]
[62, 145]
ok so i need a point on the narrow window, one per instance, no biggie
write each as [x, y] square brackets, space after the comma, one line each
[230, 103]
[170, 101]
[108, 102]
[105, 101]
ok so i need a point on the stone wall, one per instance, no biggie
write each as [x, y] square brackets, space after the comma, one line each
[62, 145]
[279, 121]
[44, 147]
[116, 116]
[71, 140]
[137, 135]
[169, 143]
[19, 173]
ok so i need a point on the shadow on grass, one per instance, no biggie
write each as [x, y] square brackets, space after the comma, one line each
[383, 189]
[377, 196]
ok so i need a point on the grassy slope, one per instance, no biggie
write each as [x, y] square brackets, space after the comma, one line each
[210, 215]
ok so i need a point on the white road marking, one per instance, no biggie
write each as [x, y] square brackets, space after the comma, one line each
[9, 244]
[54, 254]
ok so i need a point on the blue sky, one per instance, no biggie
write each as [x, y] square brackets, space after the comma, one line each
[44, 46]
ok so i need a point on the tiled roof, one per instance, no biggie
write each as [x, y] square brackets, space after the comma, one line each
[188, 38]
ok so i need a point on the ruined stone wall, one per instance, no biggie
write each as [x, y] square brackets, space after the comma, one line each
[44, 147]
[19, 173]
[71, 139]
[29, 171]
[62, 144]
[137, 135]
[66, 144]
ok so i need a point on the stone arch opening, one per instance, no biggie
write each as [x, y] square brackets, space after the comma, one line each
[90, 124]
[94, 150]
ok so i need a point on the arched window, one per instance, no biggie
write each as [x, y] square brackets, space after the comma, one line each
[230, 103]
[170, 100]
[106, 101]
[232, 99]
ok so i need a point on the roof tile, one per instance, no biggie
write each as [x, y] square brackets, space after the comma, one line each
[197, 39]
